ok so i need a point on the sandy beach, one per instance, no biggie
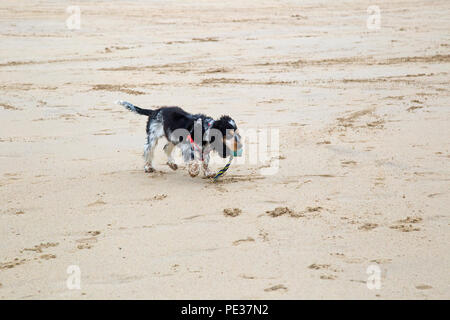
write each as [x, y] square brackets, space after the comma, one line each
[357, 208]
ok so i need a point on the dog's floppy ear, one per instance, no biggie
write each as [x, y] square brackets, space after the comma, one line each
[222, 124]
[218, 132]
[207, 125]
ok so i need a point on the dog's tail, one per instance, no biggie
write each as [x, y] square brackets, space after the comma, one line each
[132, 107]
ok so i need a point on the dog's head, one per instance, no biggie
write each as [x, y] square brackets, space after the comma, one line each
[224, 137]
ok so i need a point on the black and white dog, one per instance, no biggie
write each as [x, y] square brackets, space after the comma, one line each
[195, 134]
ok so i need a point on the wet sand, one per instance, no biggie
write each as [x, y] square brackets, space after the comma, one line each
[364, 171]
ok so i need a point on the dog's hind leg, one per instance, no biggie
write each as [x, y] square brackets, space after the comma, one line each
[155, 131]
[168, 148]
[149, 150]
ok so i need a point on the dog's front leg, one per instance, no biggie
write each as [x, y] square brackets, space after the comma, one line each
[193, 168]
[189, 158]
[206, 171]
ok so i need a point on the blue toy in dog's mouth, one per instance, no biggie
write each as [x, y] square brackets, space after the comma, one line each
[238, 153]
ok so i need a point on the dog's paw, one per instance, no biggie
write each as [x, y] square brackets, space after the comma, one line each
[209, 173]
[172, 165]
[193, 169]
[206, 172]
[149, 169]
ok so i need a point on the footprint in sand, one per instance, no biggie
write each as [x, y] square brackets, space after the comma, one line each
[193, 217]
[160, 197]
[316, 266]
[328, 277]
[8, 174]
[405, 228]
[368, 226]
[12, 176]
[97, 203]
[381, 261]
[348, 163]
[432, 195]
[67, 116]
[15, 211]
[232, 212]
[86, 243]
[278, 287]
[37, 249]
[40, 247]
[238, 242]
[48, 256]
[7, 106]
[12, 264]
[411, 220]
[105, 132]
[348, 259]
[379, 181]
[407, 224]
[411, 109]
[82, 246]
[423, 287]
[263, 235]
[279, 211]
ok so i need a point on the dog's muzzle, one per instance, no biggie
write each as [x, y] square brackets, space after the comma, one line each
[235, 146]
